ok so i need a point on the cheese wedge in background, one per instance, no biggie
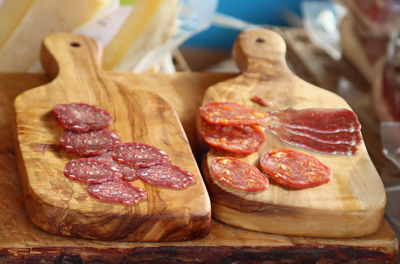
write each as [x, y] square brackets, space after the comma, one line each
[34, 20]
[11, 14]
[150, 23]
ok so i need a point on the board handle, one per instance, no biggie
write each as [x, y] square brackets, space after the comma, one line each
[260, 50]
[71, 56]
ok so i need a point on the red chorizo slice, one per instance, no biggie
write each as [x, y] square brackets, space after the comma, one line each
[82, 117]
[137, 154]
[238, 174]
[236, 139]
[90, 171]
[117, 191]
[257, 99]
[318, 119]
[228, 113]
[90, 143]
[128, 173]
[294, 169]
[166, 175]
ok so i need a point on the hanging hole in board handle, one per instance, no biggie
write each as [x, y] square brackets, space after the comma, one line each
[260, 40]
[75, 44]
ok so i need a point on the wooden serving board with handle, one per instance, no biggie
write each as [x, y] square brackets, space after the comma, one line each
[350, 205]
[61, 206]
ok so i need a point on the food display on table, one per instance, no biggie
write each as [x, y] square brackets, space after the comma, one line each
[115, 162]
[105, 190]
[303, 178]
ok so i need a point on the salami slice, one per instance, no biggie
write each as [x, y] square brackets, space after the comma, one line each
[90, 171]
[137, 154]
[313, 145]
[117, 191]
[294, 169]
[90, 143]
[236, 139]
[166, 175]
[82, 117]
[238, 174]
[318, 119]
[228, 113]
[128, 173]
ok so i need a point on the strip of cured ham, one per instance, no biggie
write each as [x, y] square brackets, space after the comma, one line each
[322, 120]
[311, 144]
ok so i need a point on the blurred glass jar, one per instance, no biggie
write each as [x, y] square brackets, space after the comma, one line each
[391, 77]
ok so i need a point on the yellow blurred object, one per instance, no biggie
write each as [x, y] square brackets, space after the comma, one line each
[11, 14]
[150, 24]
[25, 23]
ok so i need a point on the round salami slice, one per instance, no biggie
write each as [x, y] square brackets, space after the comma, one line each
[90, 171]
[228, 113]
[117, 191]
[82, 117]
[90, 143]
[166, 175]
[137, 154]
[128, 173]
[236, 139]
[294, 169]
[238, 174]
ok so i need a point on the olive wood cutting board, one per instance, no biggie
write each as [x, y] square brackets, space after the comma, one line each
[61, 206]
[350, 205]
[22, 242]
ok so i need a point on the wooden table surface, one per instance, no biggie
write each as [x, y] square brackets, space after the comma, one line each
[21, 242]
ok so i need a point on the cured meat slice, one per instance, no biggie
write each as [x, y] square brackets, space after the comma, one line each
[342, 137]
[166, 175]
[117, 191]
[228, 113]
[311, 144]
[137, 154]
[294, 169]
[238, 174]
[318, 119]
[257, 99]
[90, 171]
[237, 139]
[82, 117]
[128, 173]
[90, 143]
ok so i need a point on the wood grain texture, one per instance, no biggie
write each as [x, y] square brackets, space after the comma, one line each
[61, 206]
[350, 205]
[22, 242]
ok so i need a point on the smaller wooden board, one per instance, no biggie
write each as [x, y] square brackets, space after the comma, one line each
[350, 205]
[61, 206]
